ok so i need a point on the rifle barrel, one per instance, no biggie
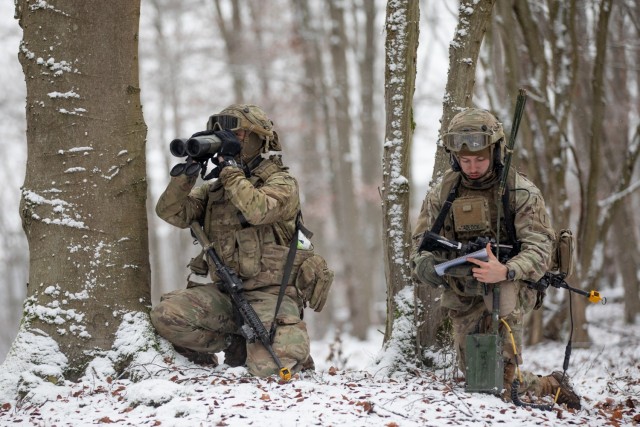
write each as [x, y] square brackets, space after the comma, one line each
[515, 125]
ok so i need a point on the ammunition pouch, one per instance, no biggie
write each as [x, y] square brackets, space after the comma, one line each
[562, 257]
[249, 254]
[313, 281]
[561, 260]
[471, 216]
[198, 265]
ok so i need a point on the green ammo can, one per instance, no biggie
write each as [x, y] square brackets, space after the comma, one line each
[485, 367]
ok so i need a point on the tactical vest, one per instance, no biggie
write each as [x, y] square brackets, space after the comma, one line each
[474, 213]
[256, 252]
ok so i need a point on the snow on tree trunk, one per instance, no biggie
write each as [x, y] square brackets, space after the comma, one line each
[400, 72]
[83, 199]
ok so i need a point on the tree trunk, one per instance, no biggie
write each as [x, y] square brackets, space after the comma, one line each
[232, 30]
[463, 56]
[261, 53]
[589, 228]
[628, 262]
[370, 154]
[83, 200]
[564, 134]
[164, 239]
[315, 187]
[562, 62]
[402, 29]
[624, 254]
[350, 244]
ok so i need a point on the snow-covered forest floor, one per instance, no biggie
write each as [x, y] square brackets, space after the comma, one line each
[348, 388]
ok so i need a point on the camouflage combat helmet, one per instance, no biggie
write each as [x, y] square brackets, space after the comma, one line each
[473, 130]
[250, 118]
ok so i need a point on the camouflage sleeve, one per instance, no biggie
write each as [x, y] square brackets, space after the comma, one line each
[533, 230]
[428, 213]
[179, 205]
[275, 201]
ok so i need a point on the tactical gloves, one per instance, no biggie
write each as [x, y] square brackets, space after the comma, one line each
[203, 132]
[230, 147]
[424, 271]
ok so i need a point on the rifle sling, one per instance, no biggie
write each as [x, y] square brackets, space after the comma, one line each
[439, 222]
[293, 247]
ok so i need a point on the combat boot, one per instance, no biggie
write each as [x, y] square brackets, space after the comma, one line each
[308, 365]
[204, 359]
[549, 385]
[236, 352]
[509, 376]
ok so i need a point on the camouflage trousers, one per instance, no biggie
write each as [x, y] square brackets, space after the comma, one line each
[472, 315]
[200, 318]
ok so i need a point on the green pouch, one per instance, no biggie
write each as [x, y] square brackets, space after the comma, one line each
[485, 366]
[313, 281]
[198, 265]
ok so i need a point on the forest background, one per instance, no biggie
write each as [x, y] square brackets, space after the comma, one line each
[318, 69]
[180, 42]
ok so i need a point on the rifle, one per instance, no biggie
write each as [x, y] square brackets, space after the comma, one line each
[252, 328]
[477, 249]
[435, 242]
[557, 281]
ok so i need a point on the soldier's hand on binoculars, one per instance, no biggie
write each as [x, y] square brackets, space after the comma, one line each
[230, 147]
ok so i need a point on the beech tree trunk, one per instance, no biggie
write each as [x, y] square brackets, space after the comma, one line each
[83, 199]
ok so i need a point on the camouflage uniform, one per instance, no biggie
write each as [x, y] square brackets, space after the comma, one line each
[470, 192]
[250, 222]
[468, 302]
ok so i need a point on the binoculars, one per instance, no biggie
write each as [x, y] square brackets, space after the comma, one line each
[198, 151]
[199, 147]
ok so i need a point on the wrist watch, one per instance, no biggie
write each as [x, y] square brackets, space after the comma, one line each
[511, 274]
[229, 162]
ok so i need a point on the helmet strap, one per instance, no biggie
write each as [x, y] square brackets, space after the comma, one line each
[453, 161]
[498, 154]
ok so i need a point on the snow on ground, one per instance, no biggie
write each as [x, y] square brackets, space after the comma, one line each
[346, 389]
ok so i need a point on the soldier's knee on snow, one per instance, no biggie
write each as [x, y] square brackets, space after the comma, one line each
[291, 345]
